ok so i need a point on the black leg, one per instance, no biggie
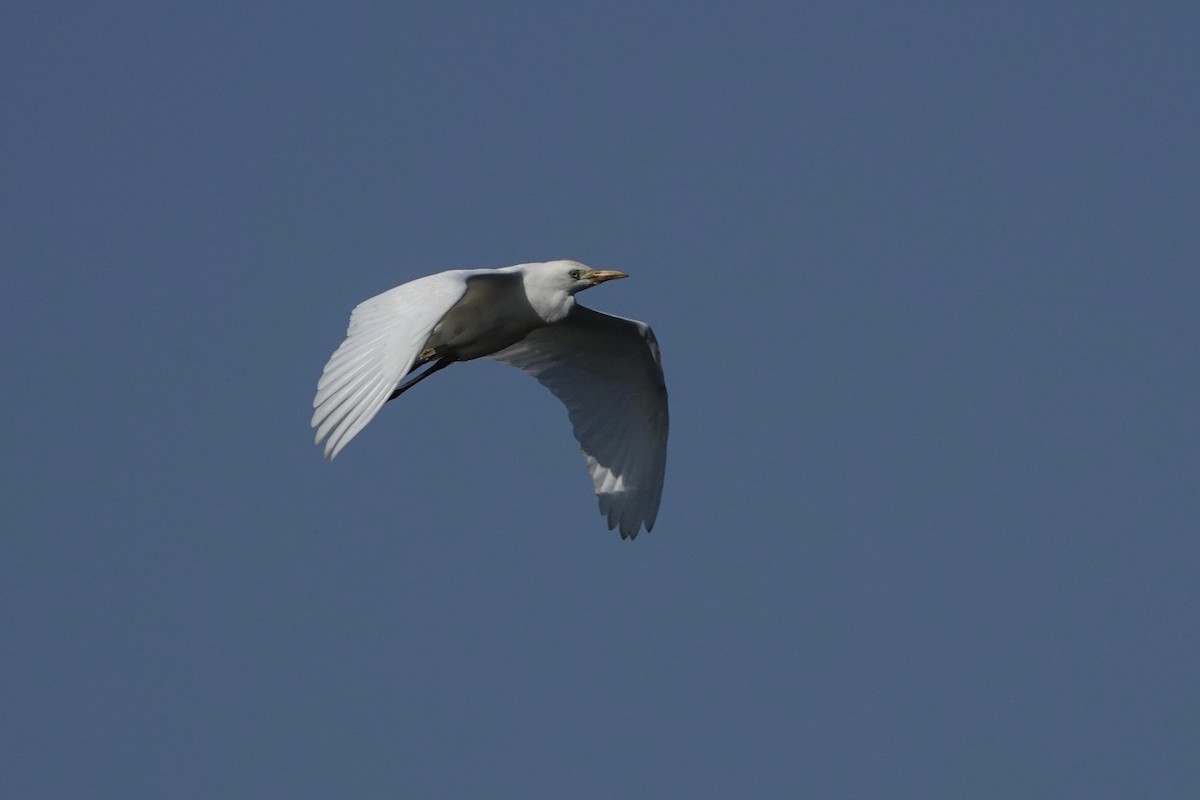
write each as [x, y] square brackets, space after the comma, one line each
[441, 363]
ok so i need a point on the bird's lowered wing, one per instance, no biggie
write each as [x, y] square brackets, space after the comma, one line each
[385, 337]
[608, 373]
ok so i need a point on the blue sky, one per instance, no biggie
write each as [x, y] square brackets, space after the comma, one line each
[924, 277]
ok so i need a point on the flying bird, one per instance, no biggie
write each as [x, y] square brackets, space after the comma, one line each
[606, 370]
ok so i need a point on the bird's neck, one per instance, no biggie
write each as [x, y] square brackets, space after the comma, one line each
[552, 307]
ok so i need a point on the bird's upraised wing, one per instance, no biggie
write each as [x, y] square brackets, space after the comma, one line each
[608, 373]
[385, 337]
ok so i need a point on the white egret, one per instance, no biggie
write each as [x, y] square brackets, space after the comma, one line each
[606, 370]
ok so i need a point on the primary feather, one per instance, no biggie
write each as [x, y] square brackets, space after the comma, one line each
[384, 338]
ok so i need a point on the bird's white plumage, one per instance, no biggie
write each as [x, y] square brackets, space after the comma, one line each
[606, 370]
[383, 340]
[608, 373]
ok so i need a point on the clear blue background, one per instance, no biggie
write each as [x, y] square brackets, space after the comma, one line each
[925, 279]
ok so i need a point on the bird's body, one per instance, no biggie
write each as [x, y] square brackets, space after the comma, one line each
[605, 369]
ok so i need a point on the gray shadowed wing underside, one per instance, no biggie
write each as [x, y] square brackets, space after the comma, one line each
[607, 371]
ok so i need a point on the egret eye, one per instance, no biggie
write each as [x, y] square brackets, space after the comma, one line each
[575, 274]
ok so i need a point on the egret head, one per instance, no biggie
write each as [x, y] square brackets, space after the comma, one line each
[576, 277]
[550, 287]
